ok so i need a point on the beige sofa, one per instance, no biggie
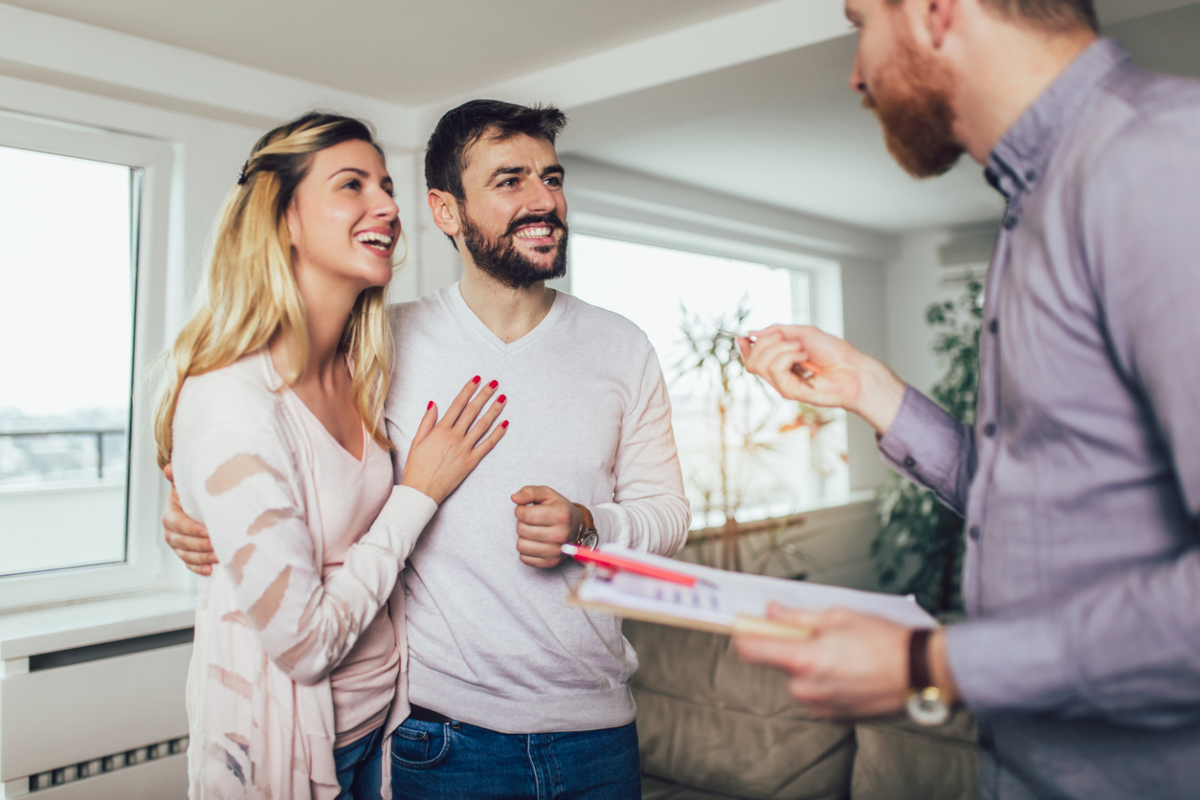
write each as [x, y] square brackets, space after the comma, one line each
[713, 728]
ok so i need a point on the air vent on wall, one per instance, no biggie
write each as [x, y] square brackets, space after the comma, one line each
[99, 766]
[966, 253]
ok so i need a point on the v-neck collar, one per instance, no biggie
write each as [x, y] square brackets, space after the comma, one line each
[276, 383]
[460, 309]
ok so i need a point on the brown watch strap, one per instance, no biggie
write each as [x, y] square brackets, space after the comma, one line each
[589, 524]
[918, 660]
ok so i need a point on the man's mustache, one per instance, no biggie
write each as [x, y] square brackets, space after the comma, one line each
[535, 219]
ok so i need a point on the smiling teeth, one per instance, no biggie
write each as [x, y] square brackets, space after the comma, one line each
[371, 237]
[533, 233]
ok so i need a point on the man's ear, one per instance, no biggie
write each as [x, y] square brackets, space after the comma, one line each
[444, 207]
[940, 17]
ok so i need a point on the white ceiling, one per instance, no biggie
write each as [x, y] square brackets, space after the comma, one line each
[778, 125]
[788, 131]
[810, 148]
[405, 51]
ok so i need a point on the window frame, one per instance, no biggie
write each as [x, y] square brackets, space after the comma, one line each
[824, 274]
[143, 567]
[824, 306]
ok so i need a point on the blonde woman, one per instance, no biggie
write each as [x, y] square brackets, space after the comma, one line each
[273, 424]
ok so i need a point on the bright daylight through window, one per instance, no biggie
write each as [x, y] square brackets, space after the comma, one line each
[66, 320]
[745, 452]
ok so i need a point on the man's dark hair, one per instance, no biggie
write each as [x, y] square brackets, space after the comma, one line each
[1051, 15]
[462, 127]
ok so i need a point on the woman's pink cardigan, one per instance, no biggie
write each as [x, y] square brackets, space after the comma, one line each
[269, 630]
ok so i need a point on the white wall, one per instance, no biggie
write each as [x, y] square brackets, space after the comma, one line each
[911, 281]
[864, 316]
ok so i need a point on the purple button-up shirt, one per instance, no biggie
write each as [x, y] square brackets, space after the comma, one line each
[1080, 481]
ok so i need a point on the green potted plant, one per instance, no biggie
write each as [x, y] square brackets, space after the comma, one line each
[918, 549]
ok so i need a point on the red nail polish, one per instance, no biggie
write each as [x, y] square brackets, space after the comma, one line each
[504, 424]
[475, 379]
[494, 384]
[501, 398]
[429, 406]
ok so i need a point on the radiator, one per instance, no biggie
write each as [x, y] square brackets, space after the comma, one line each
[101, 721]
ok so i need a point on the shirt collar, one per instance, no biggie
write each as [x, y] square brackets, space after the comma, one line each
[1019, 159]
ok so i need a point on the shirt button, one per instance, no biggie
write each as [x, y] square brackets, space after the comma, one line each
[974, 533]
[1010, 222]
[1031, 175]
[994, 326]
[989, 429]
[910, 462]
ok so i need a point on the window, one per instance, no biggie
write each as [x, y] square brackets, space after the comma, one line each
[64, 414]
[759, 457]
[81, 316]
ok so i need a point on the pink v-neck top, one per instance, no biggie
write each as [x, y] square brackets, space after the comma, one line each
[350, 494]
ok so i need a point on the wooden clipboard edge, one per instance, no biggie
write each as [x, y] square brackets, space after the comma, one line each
[649, 616]
[752, 626]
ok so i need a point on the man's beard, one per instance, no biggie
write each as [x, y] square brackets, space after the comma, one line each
[917, 118]
[500, 258]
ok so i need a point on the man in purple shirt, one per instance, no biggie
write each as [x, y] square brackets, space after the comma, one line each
[1080, 482]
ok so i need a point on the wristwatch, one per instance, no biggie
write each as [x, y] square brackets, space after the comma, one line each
[586, 536]
[926, 706]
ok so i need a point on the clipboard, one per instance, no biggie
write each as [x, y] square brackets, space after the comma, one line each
[630, 584]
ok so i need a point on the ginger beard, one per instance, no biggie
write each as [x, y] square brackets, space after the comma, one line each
[500, 258]
[913, 107]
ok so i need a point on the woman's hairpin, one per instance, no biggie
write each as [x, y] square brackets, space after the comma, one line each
[242, 172]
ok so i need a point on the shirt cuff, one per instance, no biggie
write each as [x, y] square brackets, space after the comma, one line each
[609, 529]
[923, 442]
[1011, 666]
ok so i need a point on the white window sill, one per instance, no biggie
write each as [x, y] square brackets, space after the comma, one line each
[848, 502]
[45, 630]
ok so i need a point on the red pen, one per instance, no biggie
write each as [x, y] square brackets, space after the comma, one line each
[586, 555]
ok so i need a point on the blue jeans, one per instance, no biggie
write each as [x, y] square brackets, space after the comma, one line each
[360, 767]
[454, 760]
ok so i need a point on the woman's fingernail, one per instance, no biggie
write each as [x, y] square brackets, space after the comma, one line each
[475, 379]
[429, 406]
[501, 398]
[494, 384]
[504, 424]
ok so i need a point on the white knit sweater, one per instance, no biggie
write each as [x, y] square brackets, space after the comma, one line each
[491, 640]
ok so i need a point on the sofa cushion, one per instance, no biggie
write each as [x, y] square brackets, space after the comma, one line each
[655, 789]
[708, 722]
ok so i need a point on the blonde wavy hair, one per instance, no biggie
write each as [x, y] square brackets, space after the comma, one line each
[252, 292]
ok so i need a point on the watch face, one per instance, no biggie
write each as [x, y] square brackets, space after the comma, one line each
[927, 711]
[589, 540]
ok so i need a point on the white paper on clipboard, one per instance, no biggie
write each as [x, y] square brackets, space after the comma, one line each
[720, 596]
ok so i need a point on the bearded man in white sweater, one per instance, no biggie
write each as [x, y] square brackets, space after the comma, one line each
[514, 694]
